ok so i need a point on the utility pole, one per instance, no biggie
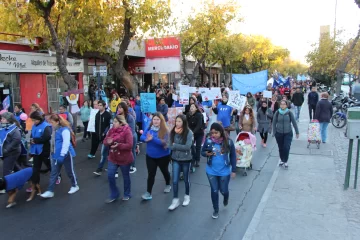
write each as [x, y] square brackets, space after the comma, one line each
[335, 19]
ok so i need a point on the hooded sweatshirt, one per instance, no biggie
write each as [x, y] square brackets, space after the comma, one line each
[223, 112]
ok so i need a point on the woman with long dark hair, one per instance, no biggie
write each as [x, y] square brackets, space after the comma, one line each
[196, 124]
[264, 116]
[180, 143]
[250, 99]
[123, 109]
[282, 130]
[221, 164]
[247, 121]
[39, 149]
[157, 153]
[62, 154]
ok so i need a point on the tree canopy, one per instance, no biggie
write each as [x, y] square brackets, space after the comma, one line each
[86, 28]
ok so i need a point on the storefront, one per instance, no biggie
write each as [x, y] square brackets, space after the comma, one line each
[30, 77]
[161, 62]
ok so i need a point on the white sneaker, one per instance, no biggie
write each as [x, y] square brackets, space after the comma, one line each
[186, 200]
[167, 189]
[10, 205]
[47, 194]
[132, 169]
[175, 203]
[116, 175]
[2, 191]
[74, 189]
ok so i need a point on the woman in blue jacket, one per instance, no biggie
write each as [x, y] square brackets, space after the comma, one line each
[39, 149]
[62, 154]
[221, 164]
[157, 153]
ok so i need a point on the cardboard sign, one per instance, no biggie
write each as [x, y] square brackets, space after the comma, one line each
[148, 102]
[193, 89]
[172, 114]
[91, 124]
[174, 97]
[184, 94]
[236, 100]
[267, 94]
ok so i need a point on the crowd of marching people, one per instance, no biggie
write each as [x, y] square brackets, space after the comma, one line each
[118, 128]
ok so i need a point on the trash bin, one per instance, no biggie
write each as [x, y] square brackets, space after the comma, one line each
[353, 123]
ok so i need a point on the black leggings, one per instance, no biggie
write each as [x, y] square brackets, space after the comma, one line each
[86, 133]
[264, 136]
[38, 160]
[152, 164]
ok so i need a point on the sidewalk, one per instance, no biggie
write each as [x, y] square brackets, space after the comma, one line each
[307, 201]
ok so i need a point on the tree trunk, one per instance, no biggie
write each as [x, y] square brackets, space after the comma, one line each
[343, 65]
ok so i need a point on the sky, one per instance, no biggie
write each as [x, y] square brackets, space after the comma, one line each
[293, 24]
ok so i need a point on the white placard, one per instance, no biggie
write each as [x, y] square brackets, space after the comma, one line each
[216, 93]
[6, 91]
[91, 125]
[193, 89]
[184, 94]
[174, 97]
[267, 94]
[236, 100]
[13, 61]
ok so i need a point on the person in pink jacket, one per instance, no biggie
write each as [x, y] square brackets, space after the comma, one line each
[120, 141]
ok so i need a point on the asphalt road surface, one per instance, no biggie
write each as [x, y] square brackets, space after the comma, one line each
[85, 215]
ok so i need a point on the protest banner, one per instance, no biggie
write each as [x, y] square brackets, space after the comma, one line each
[253, 83]
[172, 114]
[148, 102]
[184, 94]
[210, 94]
[267, 94]
[234, 100]
[193, 89]
[91, 124]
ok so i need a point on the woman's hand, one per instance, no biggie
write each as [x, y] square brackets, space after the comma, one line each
[233, 175]
[114, 145]
[255, 129]
[209, 154]
[149, 137]
[109, 140]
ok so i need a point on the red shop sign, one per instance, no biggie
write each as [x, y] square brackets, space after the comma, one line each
[162, 47]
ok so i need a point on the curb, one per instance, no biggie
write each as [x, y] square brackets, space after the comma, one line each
[251, 230]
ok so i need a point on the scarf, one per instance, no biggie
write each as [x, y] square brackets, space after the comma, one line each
[178, 130]
[217, 141]
[155, 129]
[282, 112]
[264, 109]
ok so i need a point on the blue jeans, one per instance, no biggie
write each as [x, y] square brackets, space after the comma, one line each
[297, 110]
[323, 130]
[181, 166]
[104, 156]
[284, 143]
[56, 169]
[125, 170]
[218, 183]
[134, 149]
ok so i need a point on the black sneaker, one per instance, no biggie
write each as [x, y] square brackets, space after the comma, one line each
[98, 172]
[197, 164]
[215, 215]
[226, 202]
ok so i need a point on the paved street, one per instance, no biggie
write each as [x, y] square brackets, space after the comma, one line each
[85, 215]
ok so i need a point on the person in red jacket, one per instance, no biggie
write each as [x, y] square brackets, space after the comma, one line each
[120, 141]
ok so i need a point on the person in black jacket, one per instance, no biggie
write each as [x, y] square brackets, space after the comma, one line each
[192, 100]
[297, 100]
[323, 114]
[313, 99]
[102, 125]
[196, 124]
